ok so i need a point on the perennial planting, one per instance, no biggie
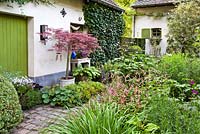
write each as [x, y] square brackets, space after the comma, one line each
[122, 94]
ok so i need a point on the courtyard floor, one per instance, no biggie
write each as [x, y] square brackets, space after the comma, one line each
[40, 117]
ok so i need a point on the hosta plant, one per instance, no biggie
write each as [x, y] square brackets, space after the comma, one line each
[72, 95]
[87, 73]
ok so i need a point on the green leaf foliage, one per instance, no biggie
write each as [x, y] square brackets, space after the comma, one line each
[31, 98]
[145, 102]
[72, 95]
[100, 118]
[174, 117]
[131, 68]
[95, 119]
[108, 26]
[87, 73]
[10, 109]
[128, 16]
[182, 23]
[181, 67]
[28, 96]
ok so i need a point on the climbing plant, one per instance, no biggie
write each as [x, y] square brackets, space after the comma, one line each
[108, 26]
[21, 2]
[128, 16]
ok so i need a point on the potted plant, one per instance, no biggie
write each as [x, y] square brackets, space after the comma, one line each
[68, 42]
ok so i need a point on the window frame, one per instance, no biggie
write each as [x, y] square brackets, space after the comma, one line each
[148, 33]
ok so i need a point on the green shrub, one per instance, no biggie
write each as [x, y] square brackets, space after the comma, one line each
[182, 22]
[10, 109]
[173, 117]
[185, 92]
[181, 68]
[62, 96]
[72, 95]
[134, 69]
[29, 96]
[85, 74]
[131, 46]
[88, 89]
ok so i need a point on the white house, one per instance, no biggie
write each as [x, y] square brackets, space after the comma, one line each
[20, 44]
[150, 21]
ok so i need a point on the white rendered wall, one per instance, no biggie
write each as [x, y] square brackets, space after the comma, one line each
[142, 22]
[40, 60]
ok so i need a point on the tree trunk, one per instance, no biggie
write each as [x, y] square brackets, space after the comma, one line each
[69, 52]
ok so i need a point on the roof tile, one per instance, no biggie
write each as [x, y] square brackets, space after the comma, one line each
[150, 3]
[109, 3]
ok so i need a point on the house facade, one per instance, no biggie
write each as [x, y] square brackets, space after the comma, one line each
[150, 22]
[21, 46]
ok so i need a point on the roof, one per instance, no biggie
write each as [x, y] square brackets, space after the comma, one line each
[152, 3]
[109, 3]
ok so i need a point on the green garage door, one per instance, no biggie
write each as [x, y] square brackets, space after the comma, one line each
[13, 43]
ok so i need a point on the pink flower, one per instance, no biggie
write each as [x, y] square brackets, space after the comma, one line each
[112, 91]
[192, 82]
[195, 92]
[122, 100]
[126, 92]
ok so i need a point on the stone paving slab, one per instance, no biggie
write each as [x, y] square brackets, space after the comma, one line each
[38, 118]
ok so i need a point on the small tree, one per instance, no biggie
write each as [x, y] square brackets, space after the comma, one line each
[68, 42]
[183, 21]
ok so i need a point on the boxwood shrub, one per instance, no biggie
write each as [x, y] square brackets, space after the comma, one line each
[10, 109]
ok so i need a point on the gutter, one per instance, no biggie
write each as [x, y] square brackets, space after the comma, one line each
[133, 25]
[152, 5]
[108, 5]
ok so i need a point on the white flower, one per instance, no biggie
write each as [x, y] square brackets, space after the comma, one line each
[22, 80]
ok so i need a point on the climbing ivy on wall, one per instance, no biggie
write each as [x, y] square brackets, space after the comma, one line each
[21, 2]
[108, 26]
[128, 16]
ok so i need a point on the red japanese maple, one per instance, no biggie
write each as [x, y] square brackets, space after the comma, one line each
[69, 42]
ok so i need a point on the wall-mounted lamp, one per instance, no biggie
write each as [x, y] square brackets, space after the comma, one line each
[63, 12]
[43, 36]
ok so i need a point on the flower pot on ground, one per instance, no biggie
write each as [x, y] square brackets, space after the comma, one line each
[64, 82]
[69, 42]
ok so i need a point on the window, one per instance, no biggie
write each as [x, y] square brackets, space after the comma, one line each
[151, 33]
[156, 33]
[146, 33]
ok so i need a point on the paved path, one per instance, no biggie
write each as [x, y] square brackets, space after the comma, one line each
[38, 118]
